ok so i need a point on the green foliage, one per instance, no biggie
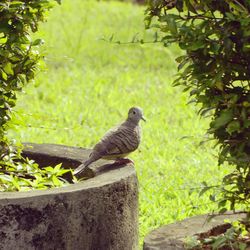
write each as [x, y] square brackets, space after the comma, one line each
[236, 236]
[232, 238]
[19, 174]
[18, 53]
[19, 58]
[192, 242]
[216, 71]
[231, 235]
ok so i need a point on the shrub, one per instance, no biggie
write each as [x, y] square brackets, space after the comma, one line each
[215, 69]
[19, 58]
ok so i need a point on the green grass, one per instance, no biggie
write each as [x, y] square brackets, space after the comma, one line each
[88, 87]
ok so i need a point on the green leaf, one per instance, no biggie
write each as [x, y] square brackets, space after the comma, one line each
[180, 58]
[219, 242]
[4, 28]
[204, 190]
[37, 42]
[63, 171]
[242, 246]
[204, 112]
[222, 210]
[246, 123]
[49, 169]
[171, 24]
[57, 167]
[222, 203]
[8, 69]
[15, 182]
[183, 63]
[4, 75]
[195, 45]
[190, 6]
[224, 117]
[233, 126]
[56, 181]
[3, 40]
[230, 16]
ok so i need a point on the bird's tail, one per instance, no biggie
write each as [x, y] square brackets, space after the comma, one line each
[81, 167]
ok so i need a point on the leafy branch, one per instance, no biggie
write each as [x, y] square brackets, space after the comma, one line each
[215, 36]
[19, 59]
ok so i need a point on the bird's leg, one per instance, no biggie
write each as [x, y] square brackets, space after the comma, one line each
[122, 161]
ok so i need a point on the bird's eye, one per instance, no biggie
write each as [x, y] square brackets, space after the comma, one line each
[134, 112]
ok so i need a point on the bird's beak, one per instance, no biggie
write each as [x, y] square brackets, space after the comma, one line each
[144, 119]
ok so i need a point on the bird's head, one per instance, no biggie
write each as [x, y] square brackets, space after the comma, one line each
[135, 114]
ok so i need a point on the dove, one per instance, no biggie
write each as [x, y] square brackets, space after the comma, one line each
[118, 142]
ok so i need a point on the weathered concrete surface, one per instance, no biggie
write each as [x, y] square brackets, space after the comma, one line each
[172, 236]
[98, 213]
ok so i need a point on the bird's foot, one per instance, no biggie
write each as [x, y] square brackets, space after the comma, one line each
[123, 161]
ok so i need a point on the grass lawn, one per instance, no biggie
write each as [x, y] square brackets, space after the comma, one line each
[88, 87]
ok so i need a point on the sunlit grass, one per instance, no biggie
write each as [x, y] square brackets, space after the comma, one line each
[90, 84]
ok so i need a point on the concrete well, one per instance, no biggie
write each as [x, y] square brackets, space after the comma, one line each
[98, 213]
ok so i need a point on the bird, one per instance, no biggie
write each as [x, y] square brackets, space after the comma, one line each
[118, 142]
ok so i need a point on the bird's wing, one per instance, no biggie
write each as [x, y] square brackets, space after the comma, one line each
[118, 141]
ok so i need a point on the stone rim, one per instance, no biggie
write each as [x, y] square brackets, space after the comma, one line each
[101, 179]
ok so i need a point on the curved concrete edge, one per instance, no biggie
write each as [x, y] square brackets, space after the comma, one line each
[172, 236]
[70, 157]
[98, 213]
[92, 183]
